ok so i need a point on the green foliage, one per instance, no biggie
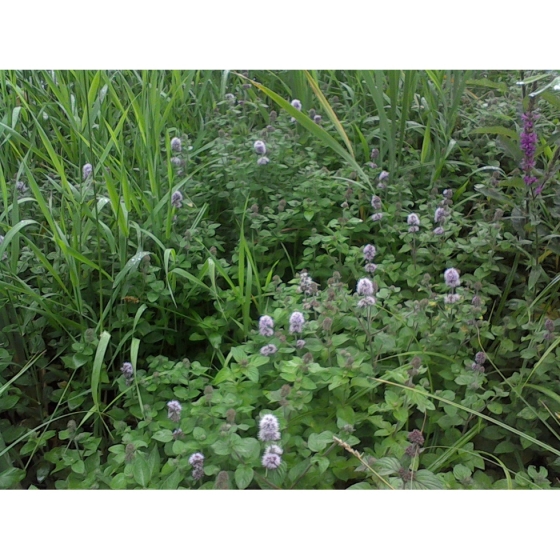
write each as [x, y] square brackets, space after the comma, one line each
[103, 273]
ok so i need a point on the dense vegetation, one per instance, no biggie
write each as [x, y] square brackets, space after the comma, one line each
[279, 279]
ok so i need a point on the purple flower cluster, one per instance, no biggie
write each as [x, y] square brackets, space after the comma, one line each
[128, 372]
[528, 141]
[174, 411]
[296, 322]
[269, 350]
[369, 252]
[271, 458]
[414, 222]
[266, 326]
[176, 144]
[177, 199]
[452, 280]
[269, 428]
[87, 170]
[196, 460]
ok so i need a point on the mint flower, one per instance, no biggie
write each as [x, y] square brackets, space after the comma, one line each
[128, 372]
[174, 411]
[260, 147]
[296, 322]
[452, 278]
[176, 144]
[269, 428]
[266, 326]
[87, 170]
[269, 350]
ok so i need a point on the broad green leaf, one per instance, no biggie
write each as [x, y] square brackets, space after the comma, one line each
[141, 471]
[243, 476]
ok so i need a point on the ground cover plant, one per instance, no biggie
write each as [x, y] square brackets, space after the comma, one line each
[288, 280]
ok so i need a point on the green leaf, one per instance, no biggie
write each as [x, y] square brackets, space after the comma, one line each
[119, 482]
[386, 465]
[141, 471]
[10, 477]
[461, 473]
[165, 436]
[172, 481]
[78, 467]
[318, 442]
[243, 476]
[426, 480]
[248, 448]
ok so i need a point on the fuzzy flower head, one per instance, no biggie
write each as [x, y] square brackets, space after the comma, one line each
[176, 144]
[260, 147]
[266, 326]
[383, 176]
[128, 372]
[269, 350]
[413, 220]
[296, 104]
[375, 202]
[174, 411]
[365, 287]
[370, 268]
[21, 187]
[263, 161]
[452, 279]
[369, 252]
[368, 301]
[269, 428]
[196, 460]
[416, 437]
[296, 322]
[439, 215]
[274, 449]
[87, 170]
[317, 119]
[271, 461]
[177, 199]
[377, 216]
[439, 231]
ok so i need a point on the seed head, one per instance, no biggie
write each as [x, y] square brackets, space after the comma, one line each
[480, 358]
[416, 437]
